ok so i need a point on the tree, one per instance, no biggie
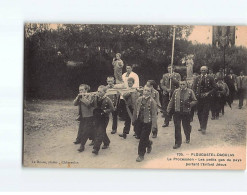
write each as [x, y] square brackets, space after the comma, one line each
[47, 50]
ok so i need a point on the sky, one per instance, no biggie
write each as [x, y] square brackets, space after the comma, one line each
[203, 34]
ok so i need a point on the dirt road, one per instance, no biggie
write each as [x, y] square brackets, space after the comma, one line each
[50, 129]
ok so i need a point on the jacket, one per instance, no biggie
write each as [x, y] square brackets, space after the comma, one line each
[244, 82]
[231, 81]
[85, 104]
[165, 83]
[209, 88]
[106, 105]
[188, 102]
[150, 111]
[155, 95]
[222, 89]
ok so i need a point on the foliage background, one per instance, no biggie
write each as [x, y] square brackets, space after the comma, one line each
[58, 58]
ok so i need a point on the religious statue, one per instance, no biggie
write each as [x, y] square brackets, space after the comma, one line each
[189, 65]
[118, 66]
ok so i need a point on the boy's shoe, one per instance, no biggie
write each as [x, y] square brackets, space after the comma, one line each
[165, 125]
[149, 149]
[154, 135]
[95, 152]
[113, 131]
[81, 149]
[91, 144]
[187, 141]
[140, 158]
[76, 142]
[176, 146]
[123, 135]
[105, 146]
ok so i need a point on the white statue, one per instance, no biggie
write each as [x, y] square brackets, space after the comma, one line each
[189, 65]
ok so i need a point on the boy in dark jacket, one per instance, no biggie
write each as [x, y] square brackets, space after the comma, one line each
[144, 119]
[183, 99]
[103, 107]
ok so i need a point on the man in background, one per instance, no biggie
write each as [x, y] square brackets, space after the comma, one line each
[231, 81]
[115, 101]
[170, 82]
[129, 73]
[241, 87]
[183, 99]
[204, 86]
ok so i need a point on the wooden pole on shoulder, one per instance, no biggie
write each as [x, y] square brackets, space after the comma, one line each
[173, 43]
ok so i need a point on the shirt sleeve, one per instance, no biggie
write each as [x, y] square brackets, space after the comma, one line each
[125, 80]
[134, 117]
[76, 102]
[136, 84]
[154, 115]
[87, 101]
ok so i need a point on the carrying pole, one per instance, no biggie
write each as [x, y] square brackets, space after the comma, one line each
[173, 43]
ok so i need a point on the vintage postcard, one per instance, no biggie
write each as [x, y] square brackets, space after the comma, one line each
[134, 96]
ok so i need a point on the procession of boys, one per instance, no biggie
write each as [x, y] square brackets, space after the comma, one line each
[177, 99]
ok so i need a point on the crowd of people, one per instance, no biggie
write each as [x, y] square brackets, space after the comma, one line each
[176, 98]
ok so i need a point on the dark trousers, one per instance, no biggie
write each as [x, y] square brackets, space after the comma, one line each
[241, 97]
[231, 95]
[121, 108]
[127, 120]
[87, 130]
[155, 129]
[79, 110]
[203, 107]
[101, 136]
[165, 100]
[217, 103]
[161, 96]
[222, 104]
[213, 106]
[192, 112]
[80, 129]
[183, 117]
[114, 120]
[143, 130]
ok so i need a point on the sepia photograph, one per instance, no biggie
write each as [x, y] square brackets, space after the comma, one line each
[134, 96]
